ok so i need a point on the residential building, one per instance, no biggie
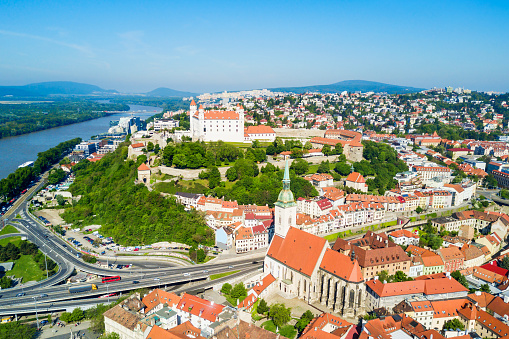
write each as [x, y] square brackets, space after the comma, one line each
[388, 295]
[453, 258]
[404, 237]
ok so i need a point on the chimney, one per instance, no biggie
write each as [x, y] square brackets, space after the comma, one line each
[477, 292]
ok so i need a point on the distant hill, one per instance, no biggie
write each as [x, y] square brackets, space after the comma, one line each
[352, 86]
[52, 88]
[168, 92]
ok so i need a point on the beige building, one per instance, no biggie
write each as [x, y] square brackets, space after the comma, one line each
[144, 174]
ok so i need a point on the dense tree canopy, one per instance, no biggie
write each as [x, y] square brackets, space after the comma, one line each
[130, 213]
[21, 178]
[18, 119]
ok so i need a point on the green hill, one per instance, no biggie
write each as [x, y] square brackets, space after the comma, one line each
[130, 213]
[352, 86]
[42, 89]
[168, 92]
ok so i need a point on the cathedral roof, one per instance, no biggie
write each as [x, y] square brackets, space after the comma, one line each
[298, 250]
[341, 266]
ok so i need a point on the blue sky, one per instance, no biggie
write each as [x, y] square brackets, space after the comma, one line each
[218, 45]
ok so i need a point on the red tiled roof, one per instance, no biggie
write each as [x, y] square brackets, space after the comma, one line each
[299, 250]
[159, 296]
[341, 266]
[199, 307]
[260, 129]
[355, 177]
[432, 286]
[143, 167]
[261, 286]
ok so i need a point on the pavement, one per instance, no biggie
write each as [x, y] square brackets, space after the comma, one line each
[56, 332]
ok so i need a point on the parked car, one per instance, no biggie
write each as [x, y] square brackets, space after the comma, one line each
[20, 294]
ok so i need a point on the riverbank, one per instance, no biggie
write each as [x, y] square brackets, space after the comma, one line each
[16, 150]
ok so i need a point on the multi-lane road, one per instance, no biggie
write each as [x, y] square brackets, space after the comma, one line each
[52, 292]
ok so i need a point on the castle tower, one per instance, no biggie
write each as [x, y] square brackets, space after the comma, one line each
[285, 207]
[240, 110]
[192, 108]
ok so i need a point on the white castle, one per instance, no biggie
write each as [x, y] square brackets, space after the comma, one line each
[214, 125]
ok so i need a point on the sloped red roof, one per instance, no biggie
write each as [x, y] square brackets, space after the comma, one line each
[143, 167]
[341, 266]
[299, 250]
[355, 177]
[260, 129]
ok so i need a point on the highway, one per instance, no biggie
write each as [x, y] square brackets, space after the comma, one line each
[50, 291]
[47, 304]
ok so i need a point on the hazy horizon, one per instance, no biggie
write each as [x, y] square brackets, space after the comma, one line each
[210, 47]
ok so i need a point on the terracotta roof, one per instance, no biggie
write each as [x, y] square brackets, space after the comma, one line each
[219, 115]
[143, 167]
[299, 250]
[138, 145]
[193, 103]
[159, 296]
[261, 286]
[432, 286]
[380, 256]
[199, 307]
[341, 266]
[243, 233]
[447, 308]
[481, 298]
[451, 253]
[260, 129]
[498, 306]
[314, 330]
[125, 318]
[431, 259]
[403, 233]
[485, 320]
[356, 177]
[244, 330]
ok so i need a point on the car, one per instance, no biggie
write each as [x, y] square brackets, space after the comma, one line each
[230, 266]
[44, 295]
[135, 282]
[206, 271]
[157, 279]
[22, 294]
[186, 274]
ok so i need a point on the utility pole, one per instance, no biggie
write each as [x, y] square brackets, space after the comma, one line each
[47, 277]
[36, 316]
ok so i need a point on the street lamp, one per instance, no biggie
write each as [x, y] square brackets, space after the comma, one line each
[35, 302]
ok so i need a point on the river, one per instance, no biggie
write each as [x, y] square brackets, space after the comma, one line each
[16, 150]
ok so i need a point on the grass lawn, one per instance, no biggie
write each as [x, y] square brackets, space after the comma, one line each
[313, 168]
[194, 186]
[8, 230]
[286, 331]
[234, 301]
[220, 275]
[15, 240]
[26, 267]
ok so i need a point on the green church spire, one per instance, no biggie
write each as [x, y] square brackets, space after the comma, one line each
[285, 198]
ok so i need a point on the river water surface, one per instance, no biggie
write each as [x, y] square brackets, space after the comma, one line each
[16, 150]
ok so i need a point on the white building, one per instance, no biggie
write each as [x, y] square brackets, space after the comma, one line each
[215, 125]
[404, 237]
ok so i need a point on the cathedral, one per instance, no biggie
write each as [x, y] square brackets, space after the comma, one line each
[305, 267]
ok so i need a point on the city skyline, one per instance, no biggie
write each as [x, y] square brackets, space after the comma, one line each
[230, 46]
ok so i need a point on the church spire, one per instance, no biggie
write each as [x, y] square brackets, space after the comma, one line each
[286, 177]
[286, 195]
